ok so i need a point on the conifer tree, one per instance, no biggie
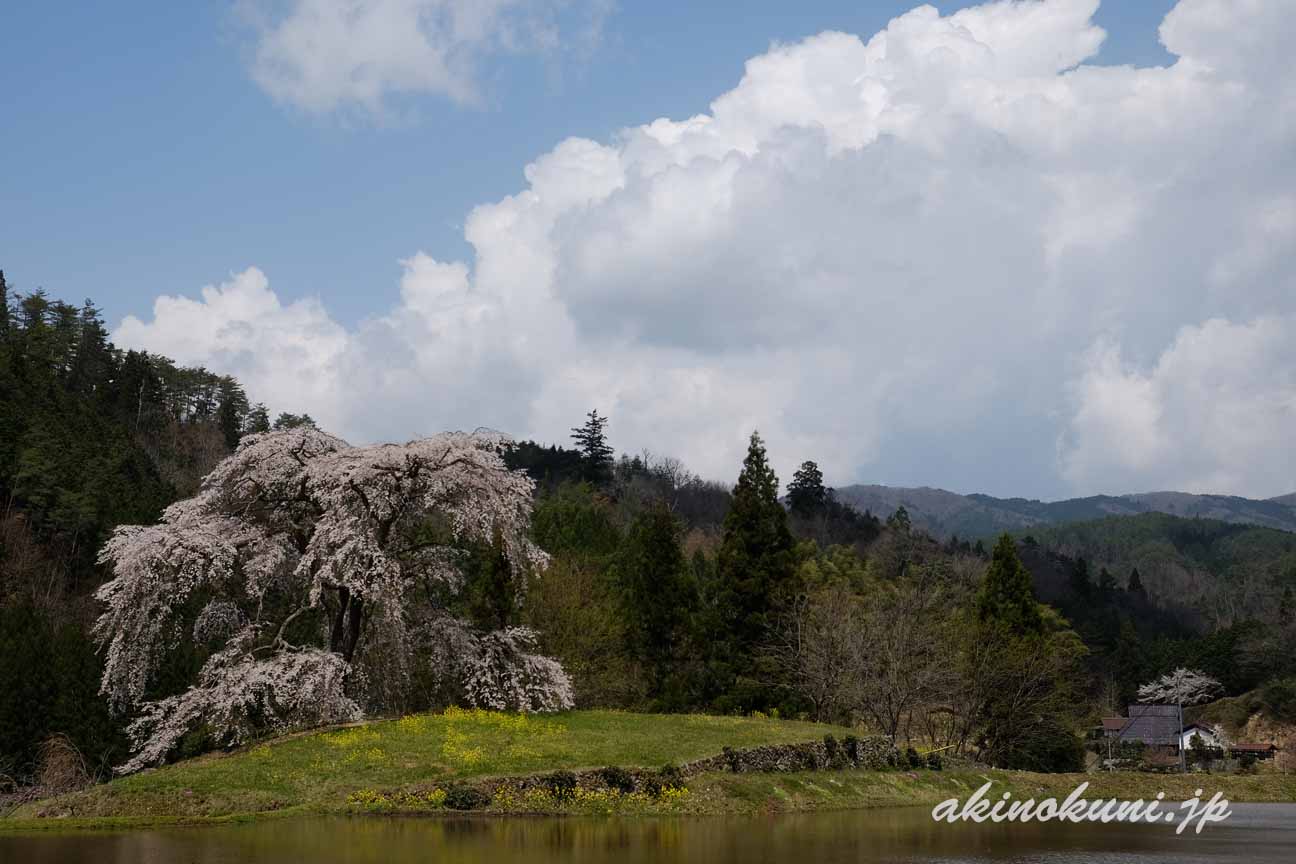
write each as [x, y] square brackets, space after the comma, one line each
[756, 574]
[1136, 585]
[1007, 596]
[4, 307]
[806, 493]
[658, 592]
[596, 453]
[899, 520]
[258, 420]
[1106, 583]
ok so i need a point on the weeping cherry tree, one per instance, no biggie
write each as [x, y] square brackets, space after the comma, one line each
[315, 579]
[1180, 687]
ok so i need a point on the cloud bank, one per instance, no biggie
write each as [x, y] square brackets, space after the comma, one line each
[954, 253]
[325, 55]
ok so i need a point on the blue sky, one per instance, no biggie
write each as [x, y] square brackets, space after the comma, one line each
[141, 158]
[987, 248]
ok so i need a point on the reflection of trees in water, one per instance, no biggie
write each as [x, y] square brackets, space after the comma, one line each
[858, 836]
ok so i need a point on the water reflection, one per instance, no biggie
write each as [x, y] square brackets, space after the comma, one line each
[1256, 834]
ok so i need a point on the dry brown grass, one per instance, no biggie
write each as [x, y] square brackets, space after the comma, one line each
[60, 767]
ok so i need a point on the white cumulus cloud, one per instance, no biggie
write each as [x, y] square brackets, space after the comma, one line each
[955, 252]
[325, 55]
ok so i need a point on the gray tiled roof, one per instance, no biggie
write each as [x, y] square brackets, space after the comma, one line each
[1152, 724]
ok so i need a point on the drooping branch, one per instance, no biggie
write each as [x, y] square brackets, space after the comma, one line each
[298, 520]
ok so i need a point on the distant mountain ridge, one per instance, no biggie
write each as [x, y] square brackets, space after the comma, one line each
[942, 513]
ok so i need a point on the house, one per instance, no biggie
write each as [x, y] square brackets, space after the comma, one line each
[1209, 736]
[1152, 725]
[1259, 751]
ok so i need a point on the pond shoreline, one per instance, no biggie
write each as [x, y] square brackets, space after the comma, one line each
[729, 794]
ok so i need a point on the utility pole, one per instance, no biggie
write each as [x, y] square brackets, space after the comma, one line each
[1183, 761]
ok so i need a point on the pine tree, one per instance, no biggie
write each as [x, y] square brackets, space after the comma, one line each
[257, 420]
[286, 420]
[1106, 583]
[231, 411]
[899, 520]
[806, 494]
[1007, 596]
[1287, 607]
[756, 574]
[596, 454]
[1136, 585]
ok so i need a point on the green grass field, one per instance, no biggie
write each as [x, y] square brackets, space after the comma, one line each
[319, 771]
[357, 769]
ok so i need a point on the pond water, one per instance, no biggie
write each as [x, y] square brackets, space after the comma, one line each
[1256, 834]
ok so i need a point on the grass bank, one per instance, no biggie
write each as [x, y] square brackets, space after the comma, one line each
[401, 766]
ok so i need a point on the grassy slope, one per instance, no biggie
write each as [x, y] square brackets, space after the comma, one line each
[316, 773]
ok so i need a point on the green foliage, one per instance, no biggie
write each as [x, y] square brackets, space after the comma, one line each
[756, 581]
[50, 677]
[577, 520]
[292, 421]
[806, 495]
[561, 784]
[659, 600]
[617, 778]
[91, 437]
[1278, 700]
[596, 453]
[462, 796]
[1007, 597]
[1049, 746]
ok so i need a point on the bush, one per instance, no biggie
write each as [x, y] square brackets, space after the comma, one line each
[913, 758]
[669, 777]
[851, 745]
[561, 785]
[1278, 700]
[934, 761]
[461, 796]
[618, 779]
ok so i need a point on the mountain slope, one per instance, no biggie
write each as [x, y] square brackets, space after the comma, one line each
[942, 513]
[1225, 572]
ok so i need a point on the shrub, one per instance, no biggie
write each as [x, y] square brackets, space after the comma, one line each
[851, 745]
[617, 779]
[669, 777]
[561, 785]
[461, 796]
[934, 761]
[913, 758]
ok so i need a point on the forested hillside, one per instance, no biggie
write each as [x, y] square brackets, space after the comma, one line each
[944, 514]
[1218, 573]
[90, 437]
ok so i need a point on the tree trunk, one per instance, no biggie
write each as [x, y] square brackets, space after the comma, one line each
[354, 620]
[339, 619]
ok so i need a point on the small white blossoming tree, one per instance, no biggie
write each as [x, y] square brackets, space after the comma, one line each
[306, 567]
[1180, 687]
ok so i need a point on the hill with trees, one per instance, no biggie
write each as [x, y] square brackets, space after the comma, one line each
[91, 437]
[946, 514]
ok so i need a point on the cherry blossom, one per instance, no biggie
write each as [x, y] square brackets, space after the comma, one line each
[303, 564]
